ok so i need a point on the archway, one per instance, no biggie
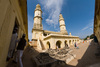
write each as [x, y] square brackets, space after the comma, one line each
[73, 42]
[69, 42]
[66, 43]
[48, 45]
[77, 40]
[58, 44]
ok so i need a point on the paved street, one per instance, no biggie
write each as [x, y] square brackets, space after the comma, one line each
[85, 55]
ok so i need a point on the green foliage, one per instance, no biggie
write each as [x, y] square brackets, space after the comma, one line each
[91, 37]
[86, 38]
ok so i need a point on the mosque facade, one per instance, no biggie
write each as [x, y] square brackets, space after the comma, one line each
[44, 39]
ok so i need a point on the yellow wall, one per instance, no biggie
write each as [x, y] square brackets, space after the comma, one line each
[9, 11]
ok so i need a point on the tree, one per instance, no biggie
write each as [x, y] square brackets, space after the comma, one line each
[91, 36]
[86, 38]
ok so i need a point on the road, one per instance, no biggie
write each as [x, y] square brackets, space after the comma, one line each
[85, 55]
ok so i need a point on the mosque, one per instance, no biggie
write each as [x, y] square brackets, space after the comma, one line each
[44, 39]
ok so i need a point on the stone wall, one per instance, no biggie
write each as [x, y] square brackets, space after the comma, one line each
[97, 20]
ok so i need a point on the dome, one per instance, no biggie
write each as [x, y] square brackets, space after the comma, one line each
[61, 17]
[38, 7]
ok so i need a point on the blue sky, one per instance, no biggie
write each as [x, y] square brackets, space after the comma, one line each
[78, 15]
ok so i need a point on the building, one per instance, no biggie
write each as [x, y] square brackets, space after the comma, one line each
[43, 39]
[13, 13]
[97, 20]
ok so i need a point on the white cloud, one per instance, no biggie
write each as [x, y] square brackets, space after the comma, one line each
[88, 25]
[87, 30]
[91, 28]
[53, 9]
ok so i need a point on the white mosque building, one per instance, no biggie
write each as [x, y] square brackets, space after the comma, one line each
[44, 39]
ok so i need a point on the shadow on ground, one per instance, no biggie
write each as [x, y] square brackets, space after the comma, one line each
[89, 57]
[30, 54]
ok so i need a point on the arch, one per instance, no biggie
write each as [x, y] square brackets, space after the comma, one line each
[69, 42]
[77, 40]
[66, 43]
[58, 44]
[73, 42]
[48, 45]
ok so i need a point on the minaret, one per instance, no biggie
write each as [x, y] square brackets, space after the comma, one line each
[37, 30]
[38, 18]
[62, 25]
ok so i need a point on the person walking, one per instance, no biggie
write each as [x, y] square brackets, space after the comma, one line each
[12, 45]
[20, 48]
[76, 46]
